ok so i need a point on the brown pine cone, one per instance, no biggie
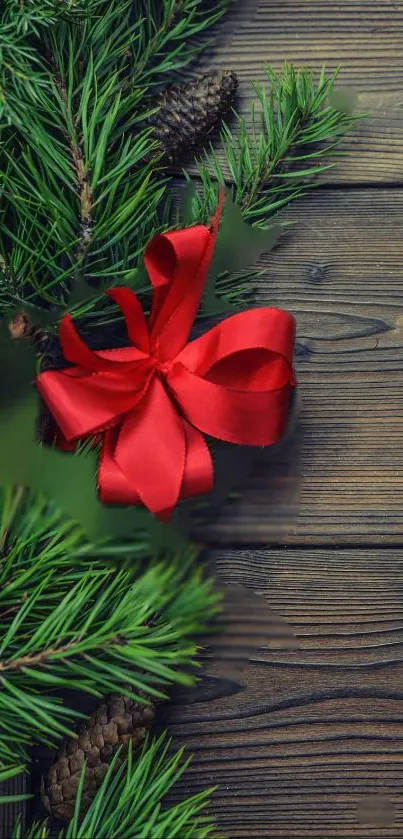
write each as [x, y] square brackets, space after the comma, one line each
[116, 722]
[188, 112]
[21, 327]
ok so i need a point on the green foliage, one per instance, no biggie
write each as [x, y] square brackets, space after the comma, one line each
[296, 126]
[80, 179]
[76, 183]
[169, 37]
[71, 619]
[130, 802]
[27, 15]
[83, 189]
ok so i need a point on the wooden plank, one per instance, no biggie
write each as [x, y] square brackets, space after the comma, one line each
[364, 37]
[299, 713]
[340, 479]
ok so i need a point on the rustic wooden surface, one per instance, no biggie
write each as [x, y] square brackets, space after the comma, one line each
[299, 713]
[340, 271]
[363, 37]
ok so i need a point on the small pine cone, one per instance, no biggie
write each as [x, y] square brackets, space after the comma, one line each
[116, 722]
[21, 327]
[188, 112]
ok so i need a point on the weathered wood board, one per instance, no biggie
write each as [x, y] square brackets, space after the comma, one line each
[362, 37]
[299, 713]
[340, 272]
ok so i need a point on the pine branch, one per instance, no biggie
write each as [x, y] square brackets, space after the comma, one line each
[170, 36]
[67, 619]
[81, 182]
[130, 801]
[82, 174]
[28, 15]
[296, 127]
[78, 177]
[293, 138]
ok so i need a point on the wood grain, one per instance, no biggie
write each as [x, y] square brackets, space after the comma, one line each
[299, 713]
[363, 37]
[340, 478]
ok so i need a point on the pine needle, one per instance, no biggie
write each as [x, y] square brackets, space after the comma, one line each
[8, 773]
[291, 139]
[130, 804]
[81, 184]
[69, 620]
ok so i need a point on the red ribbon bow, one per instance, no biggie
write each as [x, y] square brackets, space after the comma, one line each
[153, 401]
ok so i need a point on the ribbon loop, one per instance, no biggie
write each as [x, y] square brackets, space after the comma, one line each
[153, 401]
[132, 310]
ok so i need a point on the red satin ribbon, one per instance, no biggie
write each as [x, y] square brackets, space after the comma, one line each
[152, 402]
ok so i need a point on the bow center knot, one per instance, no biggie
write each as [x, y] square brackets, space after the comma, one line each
[164, 367]
[160, 366]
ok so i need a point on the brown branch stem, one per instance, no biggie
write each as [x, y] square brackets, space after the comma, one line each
[84, 190]
[40, 658]
[33, 660]
[267, 172]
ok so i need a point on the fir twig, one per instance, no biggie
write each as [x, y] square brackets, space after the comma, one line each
[130, 802]
[28, 15]
[80, 180]
[168, 38]
[82, 174]
[292, 138]
[68, 620]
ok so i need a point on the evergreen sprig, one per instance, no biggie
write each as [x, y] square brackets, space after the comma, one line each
[169, 37]
[80, 178]
[82, 186]
[68, 620]
[27, 16]
[130, 802]
[291, 138]
[76, 185]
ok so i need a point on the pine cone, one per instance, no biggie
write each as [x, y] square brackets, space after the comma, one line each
[116, 722]
[189, 111]
[22, 328]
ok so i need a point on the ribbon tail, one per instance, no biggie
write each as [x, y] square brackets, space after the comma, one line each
[198, 477]
[146, 460]
[177, 264]
[114, 485]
